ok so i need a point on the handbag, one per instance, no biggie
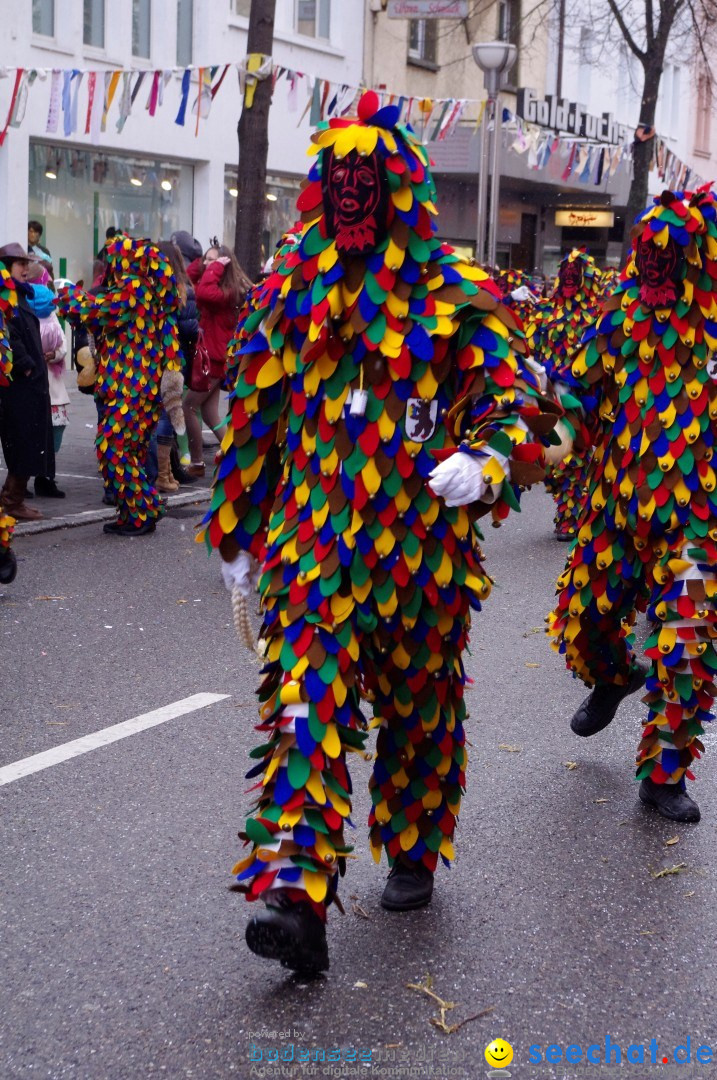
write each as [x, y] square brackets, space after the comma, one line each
[199, 377]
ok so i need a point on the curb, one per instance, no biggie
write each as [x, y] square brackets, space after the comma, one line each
[90, 517]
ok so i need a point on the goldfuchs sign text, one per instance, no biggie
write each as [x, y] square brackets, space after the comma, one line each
[563, 115]
[427, 9]
[585, 219]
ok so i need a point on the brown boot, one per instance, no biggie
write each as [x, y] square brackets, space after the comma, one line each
[165, 480]
[13, 495]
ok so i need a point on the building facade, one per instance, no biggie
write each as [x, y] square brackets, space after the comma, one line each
[565, 161]
[154, 175]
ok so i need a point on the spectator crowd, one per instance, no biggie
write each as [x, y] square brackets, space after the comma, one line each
[149, 340]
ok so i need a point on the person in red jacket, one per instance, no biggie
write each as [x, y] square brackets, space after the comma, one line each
[220, 286]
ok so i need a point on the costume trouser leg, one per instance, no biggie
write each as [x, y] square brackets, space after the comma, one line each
[597, 593]
[123, 432]
[311, 718]
[7, 525]
[591, 625]
[566, 482]
[419, 771]
[680, 685]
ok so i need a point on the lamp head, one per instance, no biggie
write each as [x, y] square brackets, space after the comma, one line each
[497, 56]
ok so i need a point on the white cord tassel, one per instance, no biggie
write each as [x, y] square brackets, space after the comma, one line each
[242, 623]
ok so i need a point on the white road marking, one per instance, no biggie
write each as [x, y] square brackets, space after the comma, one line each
[105, 736]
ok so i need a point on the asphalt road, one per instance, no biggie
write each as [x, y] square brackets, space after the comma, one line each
[121, 948]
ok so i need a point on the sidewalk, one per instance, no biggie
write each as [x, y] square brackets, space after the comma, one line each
[78, 476]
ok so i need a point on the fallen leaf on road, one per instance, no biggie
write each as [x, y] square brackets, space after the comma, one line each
[509, 749]
[691, 893]
[182, 601]
[668, 870]
[570, 765]
[361, 986]
[532, 665]
[450, 1028]
[672, 840]
[646, 933]
[50, 597]
[600, 800]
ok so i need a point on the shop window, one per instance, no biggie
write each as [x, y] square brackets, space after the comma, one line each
[43, 17]
[280, 211]
[94, 23]
[185, 32]
[79, 193]
[313, 18]
[243, 8]
[423, 41]
[141, 28]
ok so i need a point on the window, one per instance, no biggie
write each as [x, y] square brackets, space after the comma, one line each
[313, 18]
[141, 27]
[423, 40]
[704, 114]
[509, 21]
[240, 7]
[43, 17]
[94, 23]
[185, 32]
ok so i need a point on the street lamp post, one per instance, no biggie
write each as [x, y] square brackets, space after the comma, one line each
[493, 58]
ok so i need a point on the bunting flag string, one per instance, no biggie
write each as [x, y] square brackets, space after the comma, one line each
[563, 157]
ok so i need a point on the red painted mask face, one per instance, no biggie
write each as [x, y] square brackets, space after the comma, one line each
[355, 195]
[659, 270]
[570, 278]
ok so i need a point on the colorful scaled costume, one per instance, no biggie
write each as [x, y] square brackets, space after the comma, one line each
[8, 301]
[648, 535]
[133, 319]
[509, 282]
[373, 351]
[554, 332]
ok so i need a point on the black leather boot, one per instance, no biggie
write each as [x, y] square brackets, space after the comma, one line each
[46, 487]
[408, 887]
[599, 707]
[670, 800]
[291, 932]
[8, 566]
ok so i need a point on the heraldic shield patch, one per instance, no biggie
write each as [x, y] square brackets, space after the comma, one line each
[421, 417]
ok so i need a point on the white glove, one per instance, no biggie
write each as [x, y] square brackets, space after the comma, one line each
[243, 573]
[523, 293]
[460, 480]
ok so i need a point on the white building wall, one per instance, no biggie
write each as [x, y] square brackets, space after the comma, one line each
[601, 73]
[218, 38]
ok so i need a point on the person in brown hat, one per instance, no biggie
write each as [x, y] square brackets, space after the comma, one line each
[25, 417]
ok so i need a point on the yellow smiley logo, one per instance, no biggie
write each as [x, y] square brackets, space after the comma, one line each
[499, 1053]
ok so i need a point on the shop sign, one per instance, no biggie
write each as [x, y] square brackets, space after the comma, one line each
[427, 9]
[568, 116]
[585, 219]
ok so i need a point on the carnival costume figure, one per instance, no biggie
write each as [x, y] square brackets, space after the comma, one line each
[648, 534]
[374, 352]
[133, 319]
[517, 289]
[554, 332]
[8, 301]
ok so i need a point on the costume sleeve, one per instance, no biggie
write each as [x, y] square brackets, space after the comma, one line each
[505, 411]
[249, 465]
[8, 302]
